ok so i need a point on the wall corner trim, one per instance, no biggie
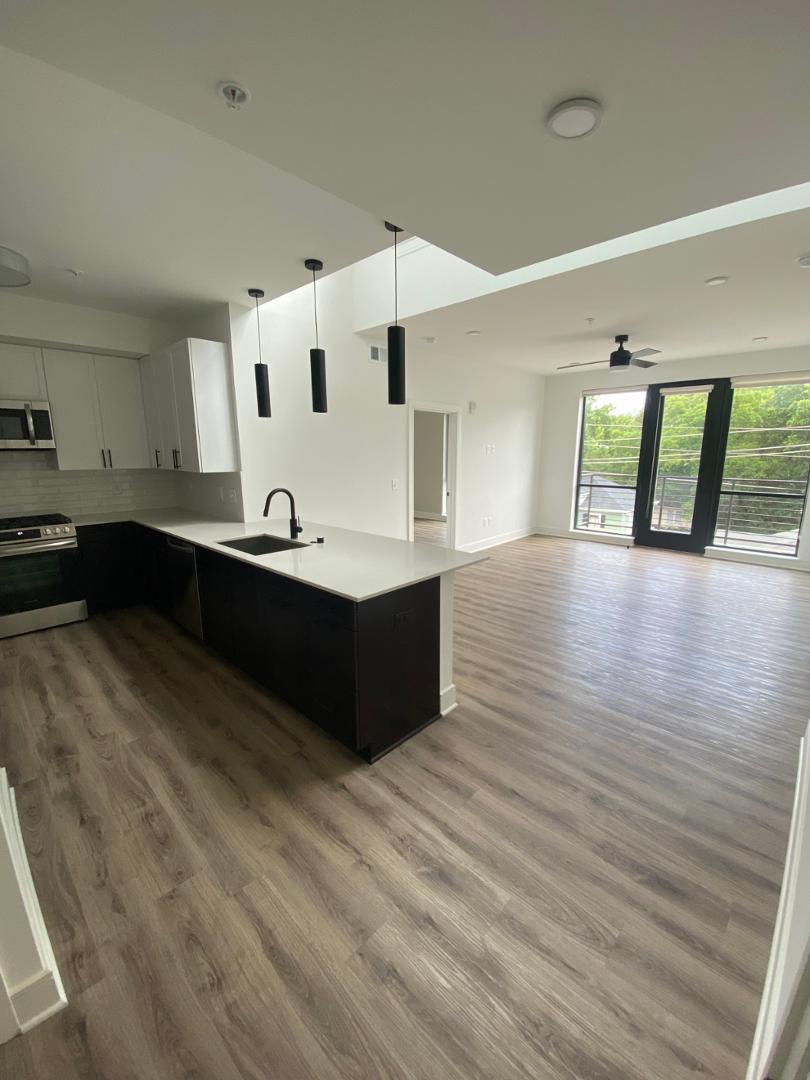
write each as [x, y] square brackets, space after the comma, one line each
[31, 989]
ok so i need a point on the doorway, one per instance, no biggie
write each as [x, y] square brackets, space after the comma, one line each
[432, 475]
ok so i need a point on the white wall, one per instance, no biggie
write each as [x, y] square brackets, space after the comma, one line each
[498, 484]
[349, 467]
[428, 464]
[46, 322]
[563, 394]
[340, 465]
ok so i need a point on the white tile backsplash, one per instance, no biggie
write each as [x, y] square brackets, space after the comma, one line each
[30, 483]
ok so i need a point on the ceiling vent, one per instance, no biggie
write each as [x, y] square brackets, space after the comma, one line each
[377, 354]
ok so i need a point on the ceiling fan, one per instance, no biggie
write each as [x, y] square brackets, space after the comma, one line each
[620, 357]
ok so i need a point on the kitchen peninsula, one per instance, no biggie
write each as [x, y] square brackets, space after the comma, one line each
[354, 630]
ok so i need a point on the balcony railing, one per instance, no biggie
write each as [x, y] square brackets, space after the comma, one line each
[753, 515]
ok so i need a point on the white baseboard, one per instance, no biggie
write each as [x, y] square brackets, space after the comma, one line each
[426, 515]
[38, 999]
[493, 541]
[30, 987]
[447, 699]
[585, 534]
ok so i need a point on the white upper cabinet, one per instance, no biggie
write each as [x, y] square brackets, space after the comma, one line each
[185, 403]
[97, 411]
[194, 410]
[122, 416]
[74, 410]
[22, 377]
[151, 408]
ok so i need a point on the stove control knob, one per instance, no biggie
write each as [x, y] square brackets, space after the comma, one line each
[47, 532]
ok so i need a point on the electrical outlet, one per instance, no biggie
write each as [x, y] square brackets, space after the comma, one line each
[231, 494]
[395, 485]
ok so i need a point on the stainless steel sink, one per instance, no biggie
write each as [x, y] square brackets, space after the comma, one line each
[263, 544]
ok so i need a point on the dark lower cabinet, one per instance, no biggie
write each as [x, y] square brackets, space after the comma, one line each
[156, 572]
[367, 673]
[112, 565]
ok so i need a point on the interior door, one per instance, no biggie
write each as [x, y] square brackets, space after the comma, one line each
[681, 461]
[121, 405]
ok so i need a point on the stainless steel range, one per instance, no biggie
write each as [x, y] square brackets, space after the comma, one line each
[40, 579]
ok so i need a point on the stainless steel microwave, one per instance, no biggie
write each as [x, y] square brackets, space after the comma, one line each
[26, 425]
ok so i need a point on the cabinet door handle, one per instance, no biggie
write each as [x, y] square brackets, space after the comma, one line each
[157, 458]
[109, 455]
[174, 458]
[103, 458]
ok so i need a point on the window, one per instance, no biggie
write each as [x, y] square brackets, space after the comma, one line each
[765, 476]
[610, 438]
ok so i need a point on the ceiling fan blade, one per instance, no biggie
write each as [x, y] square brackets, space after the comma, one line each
[642, 363]
[641, 353]
[581, 363]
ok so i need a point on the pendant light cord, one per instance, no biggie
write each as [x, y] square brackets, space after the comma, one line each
[258, 329]
[396, 285]
[315, 306]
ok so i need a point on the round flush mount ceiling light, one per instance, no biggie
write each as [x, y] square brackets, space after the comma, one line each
[760, 339]
[473, 333]
[574, 118]
[721, 279]
[14, 269]
[429, 339]
[235, 96]
[804, 262]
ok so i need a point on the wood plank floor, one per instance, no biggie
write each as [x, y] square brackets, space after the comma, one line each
[574, 875]
[426, 531]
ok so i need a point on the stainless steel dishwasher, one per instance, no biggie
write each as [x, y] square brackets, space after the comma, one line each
[184, 592]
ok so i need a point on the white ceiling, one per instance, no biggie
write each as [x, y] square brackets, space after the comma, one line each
[162, 218]
[431, 114]
[657, 296]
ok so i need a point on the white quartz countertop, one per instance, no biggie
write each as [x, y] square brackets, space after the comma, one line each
[356, 565]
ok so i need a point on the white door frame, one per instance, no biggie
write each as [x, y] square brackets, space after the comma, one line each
[453, 414]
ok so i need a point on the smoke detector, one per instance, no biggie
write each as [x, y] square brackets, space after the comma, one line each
[235, 96]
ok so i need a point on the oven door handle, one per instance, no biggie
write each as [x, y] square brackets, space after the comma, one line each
[34, 547]
[29, 419]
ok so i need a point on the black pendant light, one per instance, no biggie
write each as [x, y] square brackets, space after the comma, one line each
[261, 370]
[396, 340]
[317, 356]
